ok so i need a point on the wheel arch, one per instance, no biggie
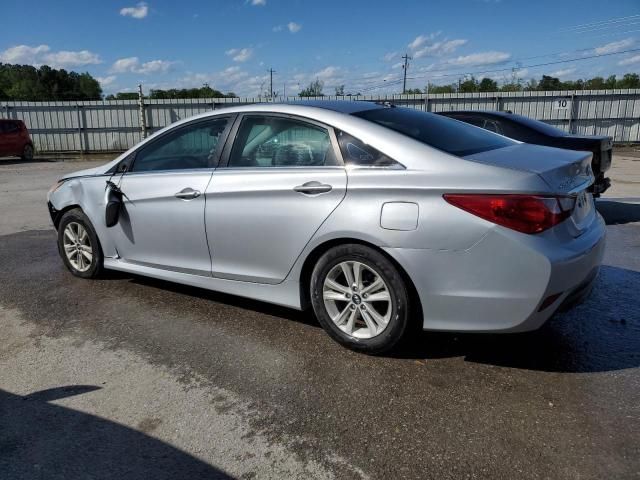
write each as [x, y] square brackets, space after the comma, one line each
[319, 250]
[56, 215]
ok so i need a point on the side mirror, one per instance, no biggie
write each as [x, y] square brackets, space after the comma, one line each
[114, 204]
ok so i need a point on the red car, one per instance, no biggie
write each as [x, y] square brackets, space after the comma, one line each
[15, 140]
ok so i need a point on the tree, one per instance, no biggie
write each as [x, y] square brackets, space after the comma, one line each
[549, 83]
[432, 88]
[313, 90]
[468, 86]
[340, 90]
[629, 80]
[25, 82]
[488, 85]
[123, 96]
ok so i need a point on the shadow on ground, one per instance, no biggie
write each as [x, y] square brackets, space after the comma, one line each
[602, 334]
[39, 439]
[617, 212]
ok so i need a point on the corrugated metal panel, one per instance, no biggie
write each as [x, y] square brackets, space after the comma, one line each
[115, 125]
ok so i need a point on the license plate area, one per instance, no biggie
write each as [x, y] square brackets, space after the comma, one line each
[583, 208]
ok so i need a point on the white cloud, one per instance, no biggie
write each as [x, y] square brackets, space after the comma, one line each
[480, 58]
[133, 65]
[390, 56]
[260, 3]
[66, 58]
[42, 55]
[440, 48]
[630, 61]
[141, 10]
[562, 73]
[240, 54]
[614, 47]
[294, 27]
[106, 81]
[277, 28]
[422, 39]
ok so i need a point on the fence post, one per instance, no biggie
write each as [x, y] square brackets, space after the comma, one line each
[141, 113]
[572, 113]
[80, 127]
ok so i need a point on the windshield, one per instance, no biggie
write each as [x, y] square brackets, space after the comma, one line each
[451, 136]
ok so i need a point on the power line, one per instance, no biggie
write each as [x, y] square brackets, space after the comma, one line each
[609, 22]
[454, 74]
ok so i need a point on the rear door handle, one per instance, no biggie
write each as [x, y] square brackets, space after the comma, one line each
[313, 188]
[187, 194]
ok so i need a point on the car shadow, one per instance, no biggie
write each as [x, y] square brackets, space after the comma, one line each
[305, 317]
[601, 334]
[616, 212]
[19, 161]
[39, 439]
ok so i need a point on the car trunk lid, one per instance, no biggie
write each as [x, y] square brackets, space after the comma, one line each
[567, 172]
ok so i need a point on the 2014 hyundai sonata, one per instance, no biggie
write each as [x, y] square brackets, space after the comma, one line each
[376, 216]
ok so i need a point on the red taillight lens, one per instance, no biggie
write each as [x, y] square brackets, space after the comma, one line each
[524, 213]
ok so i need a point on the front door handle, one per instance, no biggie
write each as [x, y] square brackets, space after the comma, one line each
[312, 188]
[187, 194]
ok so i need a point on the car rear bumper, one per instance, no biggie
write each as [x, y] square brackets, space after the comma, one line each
[501, 283]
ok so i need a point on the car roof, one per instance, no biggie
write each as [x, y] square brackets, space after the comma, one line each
[341, 106]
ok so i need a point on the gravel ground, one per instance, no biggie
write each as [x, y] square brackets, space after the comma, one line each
[127, 377]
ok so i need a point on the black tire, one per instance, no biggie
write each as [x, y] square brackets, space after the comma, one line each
[388, 338]
[27, 152]
[95, 268]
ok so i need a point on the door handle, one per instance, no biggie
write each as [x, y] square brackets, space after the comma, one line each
[187, 194]
[312, 188]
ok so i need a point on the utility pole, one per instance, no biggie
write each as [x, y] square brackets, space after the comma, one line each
[141, 114]
[404, 67]
[271, 72]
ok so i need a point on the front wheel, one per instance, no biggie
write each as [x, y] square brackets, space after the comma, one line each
[27, 153]
[78, 245]
[360, 298]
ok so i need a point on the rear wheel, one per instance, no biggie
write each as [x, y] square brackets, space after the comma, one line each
[360, 298]
[27, 152]
[78, 245]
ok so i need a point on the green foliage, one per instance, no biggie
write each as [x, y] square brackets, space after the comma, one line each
[313, 90]
[24, 82]
[123, 96]
[340, 90]
[629, 80]
[203, 92]
[488, 85]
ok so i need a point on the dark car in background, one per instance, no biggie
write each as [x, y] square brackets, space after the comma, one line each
[15, 140]
[528, 130]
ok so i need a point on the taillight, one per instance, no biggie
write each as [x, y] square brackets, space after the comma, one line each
[524, 213]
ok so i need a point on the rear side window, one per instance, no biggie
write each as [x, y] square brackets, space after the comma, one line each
[356, 152]
[10, 127]
[437, 131]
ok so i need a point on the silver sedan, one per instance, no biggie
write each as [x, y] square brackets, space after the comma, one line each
[378, 217]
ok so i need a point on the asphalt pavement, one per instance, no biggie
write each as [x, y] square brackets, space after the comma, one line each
[128, 377]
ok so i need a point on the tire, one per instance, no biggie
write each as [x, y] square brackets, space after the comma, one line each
[81, 262]
[27, 152]
[378, 325]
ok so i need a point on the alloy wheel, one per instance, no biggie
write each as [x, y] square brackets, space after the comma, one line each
[77, 246]
[357, 299]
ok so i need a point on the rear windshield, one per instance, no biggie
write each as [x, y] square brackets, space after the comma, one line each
[538, 126]
[451, 136]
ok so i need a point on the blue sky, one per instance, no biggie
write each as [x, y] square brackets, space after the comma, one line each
[230, 44]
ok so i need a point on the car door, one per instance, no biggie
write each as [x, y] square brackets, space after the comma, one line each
[161, 224]
[10, 138]
[283, 177]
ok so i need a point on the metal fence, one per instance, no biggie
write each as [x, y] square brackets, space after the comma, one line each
[100, 126]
